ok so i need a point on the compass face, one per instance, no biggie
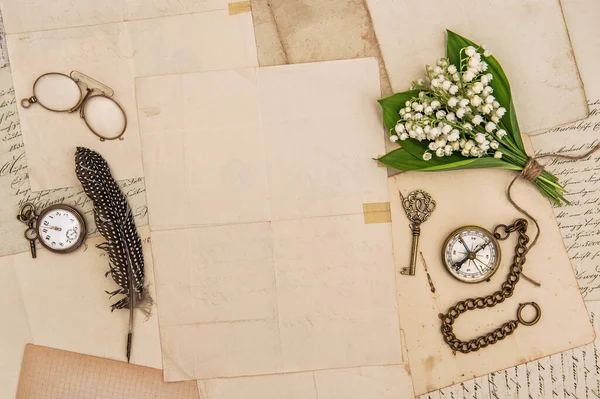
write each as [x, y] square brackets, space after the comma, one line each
[471, 254]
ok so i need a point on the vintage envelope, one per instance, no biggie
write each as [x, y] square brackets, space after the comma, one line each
[477, 197]
[60, 301]
[264, 261]
[528, 37]
[113, 52]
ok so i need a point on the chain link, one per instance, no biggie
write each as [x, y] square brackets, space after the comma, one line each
[501, 232]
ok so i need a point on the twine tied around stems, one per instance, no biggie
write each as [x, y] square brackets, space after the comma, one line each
[530, 172]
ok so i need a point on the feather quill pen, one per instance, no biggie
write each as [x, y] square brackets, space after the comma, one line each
[115, 222]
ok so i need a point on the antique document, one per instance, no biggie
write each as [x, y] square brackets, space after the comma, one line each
[564, 322]
[536, 57]
[113, 49]
[49, 373]
[376, 382]
[14, 184]
[61, 302]
[264, 261]
[574, 374]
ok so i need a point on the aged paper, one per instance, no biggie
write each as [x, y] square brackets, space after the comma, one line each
[379, 382]
[259, 275]
[580, 220]
[14, 184]
[49, 373]
[564, 321]
[574, 374]
[114, 53]
[536, 57]
[61, 302]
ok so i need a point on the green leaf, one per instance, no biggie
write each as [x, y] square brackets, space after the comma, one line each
[500, 84]
[401, 159]
[392, 105]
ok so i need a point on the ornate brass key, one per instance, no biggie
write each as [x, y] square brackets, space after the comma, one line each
[418, 207]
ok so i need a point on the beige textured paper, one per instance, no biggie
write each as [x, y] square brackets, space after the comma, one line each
[528, 37]
[49, 373]
[264, 261]
[477, 197]
[60, 301]
[36, 15]
[380, 382]
[115, 53]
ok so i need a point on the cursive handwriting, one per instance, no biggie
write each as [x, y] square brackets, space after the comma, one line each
[579, 221]
[14, 182]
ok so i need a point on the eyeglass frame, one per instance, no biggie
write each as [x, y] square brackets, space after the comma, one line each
[107, 92]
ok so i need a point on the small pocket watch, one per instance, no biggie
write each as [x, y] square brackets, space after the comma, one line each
[471, 254]
[59, 228]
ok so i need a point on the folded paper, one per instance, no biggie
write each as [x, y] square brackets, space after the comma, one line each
[114, 53]
[256, 182]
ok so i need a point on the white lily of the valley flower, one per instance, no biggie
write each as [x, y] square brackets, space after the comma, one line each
[452, 101]
[460, 112]
[439, 152]
[500, 112]
[501, 133]
[399, 128]
[403, 136]
[480, 138]
[490, 126]
[427, 156]
[448, 150]
[469, 144]
[497, 155]
[477, 119]
[495, 119]
[453, 89]
[393, 138]
[470, 51]
[452, 69]
[476, 101]
[468, 76]
[455, 145]
[494, 145]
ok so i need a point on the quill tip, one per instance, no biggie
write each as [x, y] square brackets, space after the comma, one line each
[129, 336]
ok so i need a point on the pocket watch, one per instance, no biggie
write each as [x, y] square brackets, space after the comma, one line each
[471, 254]
[59, 228]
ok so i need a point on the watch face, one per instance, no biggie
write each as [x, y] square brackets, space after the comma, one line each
[471, 254]
[61, 228]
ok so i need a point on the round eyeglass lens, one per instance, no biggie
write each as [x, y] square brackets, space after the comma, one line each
[104, 117]
[57, 92]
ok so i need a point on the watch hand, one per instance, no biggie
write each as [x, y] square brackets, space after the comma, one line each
[54, 228]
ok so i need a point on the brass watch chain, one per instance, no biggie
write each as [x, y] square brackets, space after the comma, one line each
[508, 287]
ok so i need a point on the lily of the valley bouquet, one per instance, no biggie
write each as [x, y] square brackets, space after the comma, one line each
[460, 116]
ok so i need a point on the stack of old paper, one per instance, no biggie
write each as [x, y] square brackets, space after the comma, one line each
[269, 221]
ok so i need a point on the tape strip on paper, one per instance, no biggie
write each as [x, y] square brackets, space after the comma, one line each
[239, 7]
[377, 212]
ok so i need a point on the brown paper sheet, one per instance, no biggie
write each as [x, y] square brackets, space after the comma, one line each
[48, 373]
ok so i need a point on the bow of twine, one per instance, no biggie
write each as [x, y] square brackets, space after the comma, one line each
[530, 172]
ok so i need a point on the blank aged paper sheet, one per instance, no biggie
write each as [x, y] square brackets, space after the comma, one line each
[114, 47]
[264, 261]
[60, 301]
[536, 56]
